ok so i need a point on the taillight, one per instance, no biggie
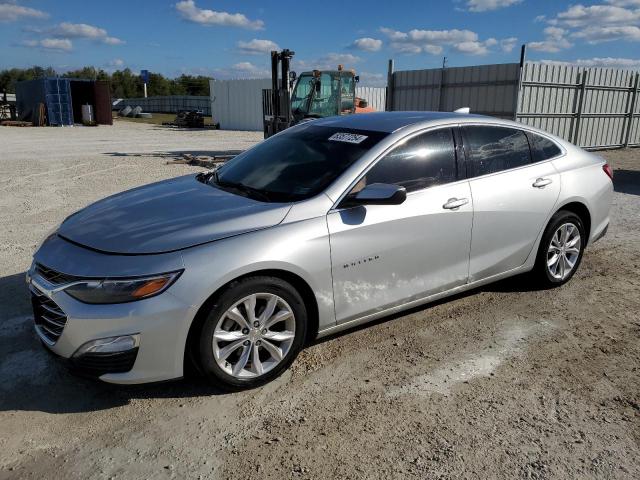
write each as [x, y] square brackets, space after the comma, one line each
[608, 170]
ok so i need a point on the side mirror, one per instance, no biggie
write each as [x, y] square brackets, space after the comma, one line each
[292, 76]
[377, 194]
[357, 78]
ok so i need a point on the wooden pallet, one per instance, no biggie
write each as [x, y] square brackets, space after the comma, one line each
[15, 123]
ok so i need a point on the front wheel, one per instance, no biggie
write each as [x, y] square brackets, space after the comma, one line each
[252, 333]
[561, 249]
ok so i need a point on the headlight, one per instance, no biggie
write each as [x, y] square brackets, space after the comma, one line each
[121, 290]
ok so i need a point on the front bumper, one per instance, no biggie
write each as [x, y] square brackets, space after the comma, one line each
[158, 322]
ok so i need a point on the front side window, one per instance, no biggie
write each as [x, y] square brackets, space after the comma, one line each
[419, 162]
[542, 148]
[296, 164]
[494, 149]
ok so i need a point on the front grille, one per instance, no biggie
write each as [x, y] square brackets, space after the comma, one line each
[52, 276]
[49, 317]
[96, 364]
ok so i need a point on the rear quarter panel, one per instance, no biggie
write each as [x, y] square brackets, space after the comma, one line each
[584, 181]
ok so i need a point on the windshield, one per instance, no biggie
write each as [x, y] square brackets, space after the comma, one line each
[296, 164]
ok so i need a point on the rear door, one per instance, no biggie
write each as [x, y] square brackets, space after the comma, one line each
[512, 197]
[386, 255]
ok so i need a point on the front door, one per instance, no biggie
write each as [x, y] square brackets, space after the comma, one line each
[386, 255]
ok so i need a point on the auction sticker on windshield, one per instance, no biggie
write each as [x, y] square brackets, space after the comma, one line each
[348, 137]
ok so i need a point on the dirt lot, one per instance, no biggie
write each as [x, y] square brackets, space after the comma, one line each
[503, 382]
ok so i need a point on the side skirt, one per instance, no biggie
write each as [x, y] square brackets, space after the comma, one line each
[421, 301]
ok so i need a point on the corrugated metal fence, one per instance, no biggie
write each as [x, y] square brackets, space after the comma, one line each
[591, 107]
[486, 89]
[169, 103]
[237, 104]
[376, 97]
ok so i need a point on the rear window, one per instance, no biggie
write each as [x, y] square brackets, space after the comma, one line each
[542, 148]
[297, 164]
[494, 149]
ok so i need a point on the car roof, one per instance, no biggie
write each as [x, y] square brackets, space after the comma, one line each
[391, 121]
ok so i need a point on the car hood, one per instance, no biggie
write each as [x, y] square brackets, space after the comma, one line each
[167, 216]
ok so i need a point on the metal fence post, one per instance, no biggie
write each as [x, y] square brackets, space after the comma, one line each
[389, 102]
[632, 109]
[440, 86]
[523, 52]
[583, 89]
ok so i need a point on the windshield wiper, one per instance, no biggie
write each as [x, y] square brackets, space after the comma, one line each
[246, 189]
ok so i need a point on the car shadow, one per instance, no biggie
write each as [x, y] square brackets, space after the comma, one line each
[33, 379]
[627, 181]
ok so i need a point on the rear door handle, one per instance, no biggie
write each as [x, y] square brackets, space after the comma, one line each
[454, 203]
[542, 182]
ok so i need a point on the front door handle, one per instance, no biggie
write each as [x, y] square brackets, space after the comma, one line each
[542, 182]
[454, 203]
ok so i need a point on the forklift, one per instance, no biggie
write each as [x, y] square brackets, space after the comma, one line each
[316, 94]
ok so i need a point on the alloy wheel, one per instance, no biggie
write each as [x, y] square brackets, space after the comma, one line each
[564, 251]
[254, 335]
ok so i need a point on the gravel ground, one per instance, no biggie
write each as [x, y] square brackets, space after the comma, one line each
[503, 382]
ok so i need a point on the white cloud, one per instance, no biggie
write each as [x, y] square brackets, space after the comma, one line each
[369, 79]
[116, 62]
[257, 46]
[189, 11]
[555, 40]
[508, 44]
[472, 48]
[50, 44]
[614, 20]
[330, 61]
[578, 16]
[241, 70]
[10, 12]
[367, 44]
[632, 63]
[596, 34]
[624, 3]
[435, 41]
[485, 5]
[83, 30]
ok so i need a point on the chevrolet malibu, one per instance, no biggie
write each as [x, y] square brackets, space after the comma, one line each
[327, 225]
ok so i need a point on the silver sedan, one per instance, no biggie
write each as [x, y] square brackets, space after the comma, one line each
[327, 225]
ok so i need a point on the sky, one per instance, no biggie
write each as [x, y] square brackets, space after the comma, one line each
[232, 39]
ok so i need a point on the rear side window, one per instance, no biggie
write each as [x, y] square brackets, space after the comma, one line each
[420, 162]
[493, 149]
[542, 148]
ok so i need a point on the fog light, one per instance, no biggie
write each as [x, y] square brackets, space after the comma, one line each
[122, 343]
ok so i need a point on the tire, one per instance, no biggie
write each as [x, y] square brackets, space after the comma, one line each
[237, 353]
[569, 253]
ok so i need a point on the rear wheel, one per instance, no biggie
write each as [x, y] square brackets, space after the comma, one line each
[252, 333]
[561, 249]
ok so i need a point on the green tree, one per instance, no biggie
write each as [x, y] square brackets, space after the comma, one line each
[9, 78]
[124, 83]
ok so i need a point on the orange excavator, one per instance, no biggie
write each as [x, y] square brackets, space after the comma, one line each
[295, 99]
